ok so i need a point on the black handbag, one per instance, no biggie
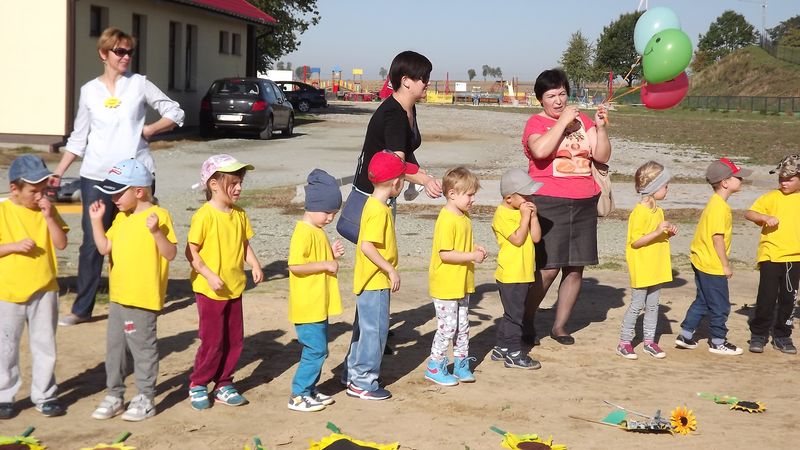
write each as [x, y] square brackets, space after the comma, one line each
[349, 222]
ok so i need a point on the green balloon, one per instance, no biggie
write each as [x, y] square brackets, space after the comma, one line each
[666, 55]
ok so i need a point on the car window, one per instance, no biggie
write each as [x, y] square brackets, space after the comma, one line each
[269, 93]
[279, 93]
[225, 87]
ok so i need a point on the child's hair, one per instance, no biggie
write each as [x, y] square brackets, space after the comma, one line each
[147, 190]
[461, 180]
[646, 173]
[224, 178]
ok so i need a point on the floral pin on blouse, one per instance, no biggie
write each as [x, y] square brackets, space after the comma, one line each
[112, 102]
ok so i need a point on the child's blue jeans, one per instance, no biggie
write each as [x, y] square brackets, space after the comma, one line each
[713, 300]
[314, 339]
[370, 330]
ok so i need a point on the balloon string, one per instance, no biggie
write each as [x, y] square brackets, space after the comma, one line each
[626, 93]
[633, 66]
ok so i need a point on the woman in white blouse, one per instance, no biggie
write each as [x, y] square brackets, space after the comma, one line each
[110, 127]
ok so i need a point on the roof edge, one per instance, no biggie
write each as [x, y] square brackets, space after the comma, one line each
[254, 20]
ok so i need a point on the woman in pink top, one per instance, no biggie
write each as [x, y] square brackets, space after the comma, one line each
[561, 143]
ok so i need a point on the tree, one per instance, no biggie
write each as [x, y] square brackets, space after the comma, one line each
[615, 51]
[728, 33]
[383, 72]
[298, 72]
[280, 66]
[784, 27]
[791, 38]
[471, 74]
[294, 18]
[577, 60]
[486, 70]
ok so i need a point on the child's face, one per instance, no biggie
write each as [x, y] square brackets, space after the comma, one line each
[125, 200]
[28, 195]
[462, 200]
[515, 200]
[789, 185]
[732, 184]
[661, 194]
[226, 189]
[320, 218]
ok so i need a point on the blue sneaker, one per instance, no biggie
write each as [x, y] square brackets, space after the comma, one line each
[461, 370]
[437, 372]
[198, 395]
[228, 395]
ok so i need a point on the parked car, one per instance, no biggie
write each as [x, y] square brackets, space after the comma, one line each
[303, 96]
[246, 104]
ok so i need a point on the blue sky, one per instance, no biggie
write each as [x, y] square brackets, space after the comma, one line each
[522, 37]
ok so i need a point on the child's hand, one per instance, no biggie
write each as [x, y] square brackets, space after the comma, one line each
[394, 280]
[533, 209]
[668, 228]
[338, 249]
[525, 208]
[727, 271]
[25, 245]
[152, 222]
[215, 282]
[332, 267]
[771, 221]
[258, 274]
[479, 254]
[97, 209]
[46, 207]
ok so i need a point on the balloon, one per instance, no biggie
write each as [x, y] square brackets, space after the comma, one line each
[651, 22]
[667, 94]
[666, 55]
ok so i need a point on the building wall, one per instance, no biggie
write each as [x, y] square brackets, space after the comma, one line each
[34, 60]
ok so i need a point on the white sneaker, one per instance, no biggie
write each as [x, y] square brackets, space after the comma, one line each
[326, 400]
[726, 348]
[305, 403]
[140, 408]
[108, 408]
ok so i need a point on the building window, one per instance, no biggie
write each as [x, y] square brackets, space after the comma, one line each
[174, 55]
[237, 44]
[224, 42]
[98, 20]
[190, 62]
[139, 31]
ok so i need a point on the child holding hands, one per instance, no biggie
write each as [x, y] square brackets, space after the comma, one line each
[217, 248]
[314, 288]
[648, 255]
[451, 277]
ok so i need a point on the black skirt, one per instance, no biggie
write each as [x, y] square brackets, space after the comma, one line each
[569, 231]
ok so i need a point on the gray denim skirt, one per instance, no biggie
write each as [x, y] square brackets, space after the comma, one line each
[569, 231]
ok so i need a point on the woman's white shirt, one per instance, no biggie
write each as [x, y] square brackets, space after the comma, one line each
[104, 135]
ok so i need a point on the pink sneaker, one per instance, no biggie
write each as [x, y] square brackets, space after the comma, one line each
[652, 349]
[625, 349]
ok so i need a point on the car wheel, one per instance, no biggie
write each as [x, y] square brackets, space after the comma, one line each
[303, 106]
[266, 133]
[287, 132]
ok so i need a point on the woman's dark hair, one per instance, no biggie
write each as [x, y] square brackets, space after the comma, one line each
[409, 64]
[550, 79]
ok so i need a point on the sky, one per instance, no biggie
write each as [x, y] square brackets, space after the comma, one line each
[522, 37]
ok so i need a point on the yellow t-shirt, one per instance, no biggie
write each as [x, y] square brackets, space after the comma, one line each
[377, 227]
[22, 275]
[314, 297]
[715, 219]
[221, 237]
[137, 274]
[648, 265]
[451, 281]
[782, 243]
[514, 264]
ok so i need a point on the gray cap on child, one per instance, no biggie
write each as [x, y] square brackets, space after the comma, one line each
[322, 192]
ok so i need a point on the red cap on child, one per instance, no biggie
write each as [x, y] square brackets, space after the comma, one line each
[386, 165]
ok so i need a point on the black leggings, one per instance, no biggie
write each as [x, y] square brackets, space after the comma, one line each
[777, 284]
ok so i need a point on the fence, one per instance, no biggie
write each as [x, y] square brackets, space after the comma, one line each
[789, 54]
[788, 105]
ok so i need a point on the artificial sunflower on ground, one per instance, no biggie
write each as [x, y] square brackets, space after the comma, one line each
[526, 441]
[118, 444]
[683, 420]
[751, 407]
[23, 441]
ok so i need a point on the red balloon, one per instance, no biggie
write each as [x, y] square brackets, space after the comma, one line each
[667, 94]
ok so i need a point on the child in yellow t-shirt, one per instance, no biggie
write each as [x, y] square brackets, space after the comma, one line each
[709, 256]
[217, 248]
[375, 276]
[141, 242]
[313, 287]
[451, 278]
[30, 231]
[648, 256]
[778, 214]
[516, 227]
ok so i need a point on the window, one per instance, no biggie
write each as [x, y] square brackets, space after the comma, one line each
[224, 42]
[237, 44]
[190, 61]
[98, 20]
[139, 31]
[174, 55]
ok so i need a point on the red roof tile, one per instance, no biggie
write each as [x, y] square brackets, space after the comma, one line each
[236, 8]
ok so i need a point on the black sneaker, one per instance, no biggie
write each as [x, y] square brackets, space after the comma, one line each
[785, 345]
[51, 409]
[499, 353]
[519, 360]
[757, 344]
[686, 343]
[6, 411]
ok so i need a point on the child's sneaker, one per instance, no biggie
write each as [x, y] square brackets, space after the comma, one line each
[437, 372]
[757, 344]
[198, 395]
[626, 351]
[498, 353]
[108, 408]
[51, 409]
[519, 360]
[687, 343]
[7, 411]
[785, 345]
[377, 394]
[140, 408]
[461, 370]
[326, 400]
[305, 403]
[652, 349]
[726, 348]
[228, 395]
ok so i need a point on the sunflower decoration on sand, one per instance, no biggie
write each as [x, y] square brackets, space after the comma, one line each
[734, 403]
[526, 441]
[339, 441]
[112, 102]
[118, 444]
[683, 420]
[22, 442]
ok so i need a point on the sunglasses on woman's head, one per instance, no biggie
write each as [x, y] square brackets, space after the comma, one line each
[121, 52]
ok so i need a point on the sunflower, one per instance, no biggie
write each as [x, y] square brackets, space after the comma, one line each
[529, 441]
[21, 442]
[751, 407]
[683, 420]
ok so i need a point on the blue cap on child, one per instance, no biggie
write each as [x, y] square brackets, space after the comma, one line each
[28, 168]
[322, 192]
[125, 174]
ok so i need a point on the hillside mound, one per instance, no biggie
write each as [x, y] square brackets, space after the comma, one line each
[748, 72]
